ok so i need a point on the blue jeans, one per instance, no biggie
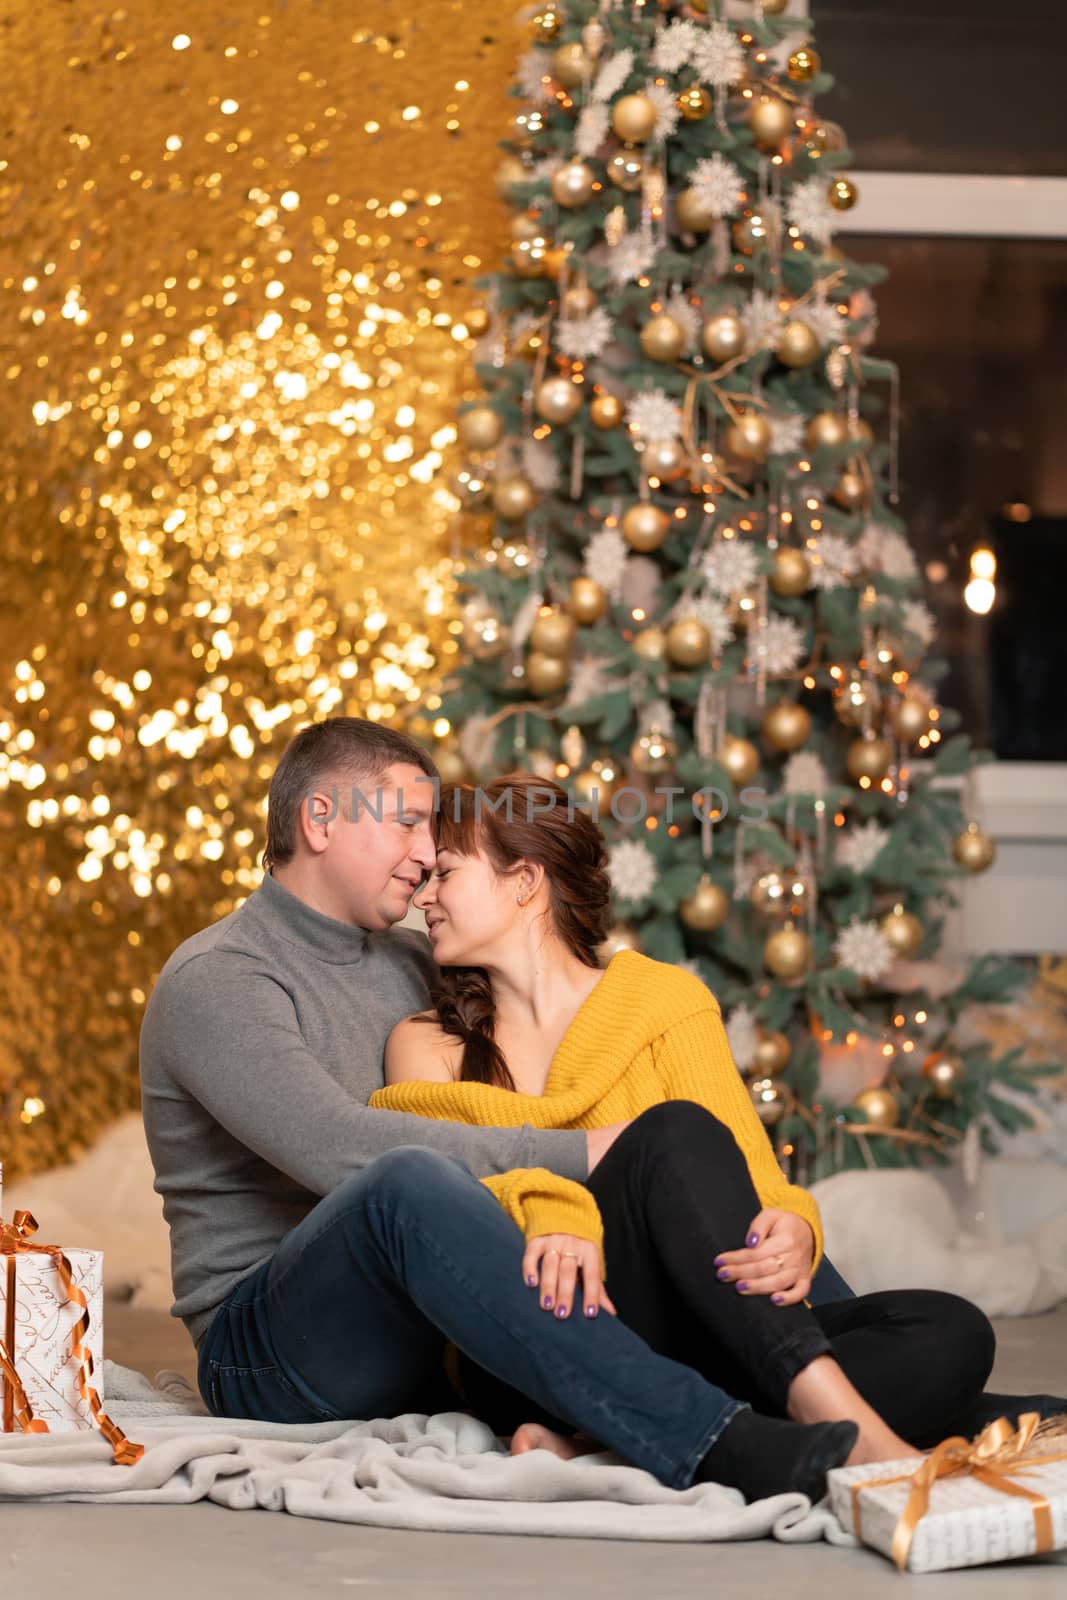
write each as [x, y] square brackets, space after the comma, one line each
[350, 1316]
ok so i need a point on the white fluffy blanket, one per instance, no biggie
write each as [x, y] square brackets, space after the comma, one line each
[446, 1473]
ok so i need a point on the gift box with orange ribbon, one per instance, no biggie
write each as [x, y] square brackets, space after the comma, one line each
[967, 1503]
[51, 1338]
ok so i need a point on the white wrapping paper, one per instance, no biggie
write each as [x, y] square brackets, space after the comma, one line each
[968, 1524]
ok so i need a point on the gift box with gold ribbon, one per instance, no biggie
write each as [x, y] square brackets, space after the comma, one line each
[51, 1338]
[967, 1503]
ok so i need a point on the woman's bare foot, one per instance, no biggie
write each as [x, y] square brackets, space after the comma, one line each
[532, 1436]
[881, 1444]
[821, 1393]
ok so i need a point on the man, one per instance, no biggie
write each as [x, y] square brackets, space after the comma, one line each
[324, 1254]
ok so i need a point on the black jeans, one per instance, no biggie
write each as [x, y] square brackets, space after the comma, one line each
[674, 1191]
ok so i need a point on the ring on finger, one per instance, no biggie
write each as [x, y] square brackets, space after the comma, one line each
[568, 1255]
[781, 1263]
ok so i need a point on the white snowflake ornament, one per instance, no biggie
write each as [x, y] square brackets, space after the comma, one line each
[652, 414]
[731, 567]
[605, 559]
[779, 642]
[676, 46]
[719, 57]
[805, 774]
[810, 211]
[835, 561]
[718, 184]
[632, 869]
[862, 845]
[714, 613]
[762, 318]
[742, 1035]
[787, 432]
[864, 949]
[631, 258]
[920, 622]
[593, 124]
[883, 549]
[582, 338]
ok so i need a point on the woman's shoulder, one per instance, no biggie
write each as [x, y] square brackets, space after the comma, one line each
[665, 983]
[418, 1047]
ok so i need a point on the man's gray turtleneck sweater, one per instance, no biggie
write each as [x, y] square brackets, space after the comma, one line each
[262, 1043]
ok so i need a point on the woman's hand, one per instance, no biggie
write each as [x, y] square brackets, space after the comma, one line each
[777, 1259]
[552, 1264]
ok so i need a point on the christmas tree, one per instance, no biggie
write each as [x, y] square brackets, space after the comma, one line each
[692, 600]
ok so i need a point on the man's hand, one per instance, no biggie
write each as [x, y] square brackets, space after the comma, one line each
[598, 1141]
[551, 1265]
[777, 1260]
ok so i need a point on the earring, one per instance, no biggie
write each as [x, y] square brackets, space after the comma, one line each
[520, 899]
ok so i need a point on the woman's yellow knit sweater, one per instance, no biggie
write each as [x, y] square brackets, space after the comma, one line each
[647, 1032]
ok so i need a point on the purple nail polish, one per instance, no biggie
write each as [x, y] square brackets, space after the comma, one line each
[752, 1241]
[723, 1275]
[742, 1288]
[532, 1280]
[547, 1302]
[719, 1261]
[591, 1311]
[561, 1311]
[778, 1299]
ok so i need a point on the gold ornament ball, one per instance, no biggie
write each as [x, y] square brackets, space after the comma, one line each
[552, 633]
[706, 908]
[653, 752]
[772, 1054]
[774, 8]
[650, 644]
[558, 400]
[804, 64]
[513, 498]
[910, 717]
[485, 634]
[798, 345]
[769, 895]
[903, 931]
[546, 674]
[510, 172]
[572, 185]
[771, 121]
[633, 118]
[546, 26]
[451, 767]
[740, 758]
[756, 232]
[664, 459]
[587, 602]
[477, 321]
[769, 1100]
[526, 225]
[879, 1106]
[578, 301]
[790, 573]
[974, 849]
[644, 527]
[787, 953]
[626, 170]
[688, 643]
[723, 336]
[787, 725]
[527, 126]
[619, 937]
[842, 194]
[694, 103]
[693, 213]
[944, 1072]
[572, 65]
[749, 438]
[851, 491]
[856, 700]
[531, 258]
[662, 339]
[869, 758]
[607, 411]
[826, 430]
[480, 428]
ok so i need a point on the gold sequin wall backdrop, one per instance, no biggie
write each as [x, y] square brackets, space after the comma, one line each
[237, 247]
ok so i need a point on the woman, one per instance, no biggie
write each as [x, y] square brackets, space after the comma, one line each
[711, 1252]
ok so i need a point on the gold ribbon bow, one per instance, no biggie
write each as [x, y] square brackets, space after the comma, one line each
[15, 1241]
[998, 1451]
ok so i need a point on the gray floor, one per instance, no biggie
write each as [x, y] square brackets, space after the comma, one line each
[167, 1552]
